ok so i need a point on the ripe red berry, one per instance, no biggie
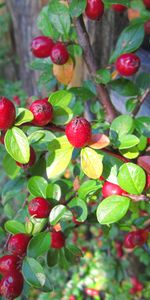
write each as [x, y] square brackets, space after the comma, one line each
[147, 3]
[72, 297]
[31, 160]
[147, 27]
[18, 243]
[91, 292]
[59, 54]
[137, 285]
[101, 178]
[148, 141]
[57, 239]
[11, 285]
[39, 207]
[42, 112]
[94, 9]
[9, 263]
[135, 238]
[78, 132]
[7, 113]
[119, 7]
[110, 188]
[127, 64]
[41, 46]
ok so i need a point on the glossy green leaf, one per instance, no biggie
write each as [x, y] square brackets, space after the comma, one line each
[88, 188]
[103, 76]
[33, 272]
[10, 166]
[44, 24]
[91, 163]
[60, 98]
[80, 208]
[130, 153]
[14, 227]
[53, 191]
[112, 209]
[128, 141]
[122, 125]
[52, 257]
[57, 213]
[132, 178]
[62, 115]
[59, 17]
[37, 186]
[39, 244]
[24, 115]
[17, 145]
[124, 87]
[77, 7]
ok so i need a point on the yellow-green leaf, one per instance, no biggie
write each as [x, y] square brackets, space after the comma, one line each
[91, 163]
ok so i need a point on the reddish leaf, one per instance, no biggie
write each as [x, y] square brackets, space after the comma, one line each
[144, 162]
[99, 141]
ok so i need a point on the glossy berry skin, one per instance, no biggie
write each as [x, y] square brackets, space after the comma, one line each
[39, 208]
[119, 7]
[31, 160]
[91, 292]
[59, 54]
[7, 113]
[11, 285]
[41, 46]
[57, 239]
[78, 132]
[147, 27]
[110, 188]
[135, 238]
[42, 112]
[94, 9]
[18, 243]
[147, 3]
[9, 263]
[127, 64]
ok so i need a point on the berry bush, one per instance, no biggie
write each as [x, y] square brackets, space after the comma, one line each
[77, 193]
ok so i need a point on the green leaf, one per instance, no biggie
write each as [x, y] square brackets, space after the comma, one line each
[52, 257]
[24, 115]
[122, 125]
[44, 23]
[130, 153]
[62, 260]
[91, 163]
[39, 244]
[14, 227]
[103, 76]
[59, 17]
[10, 166]
[60, 153]
[112, 209]
[62, 116]
[142, 125]
[17, 145]
[33, 272]
[75, 50]
[88, 187]
[128, 141]
[41, 136]
[80, 208]
[143, 80]
[77, 7]
[37, 186]
[111, 167]
[123, 2]
[60, 98]
[53, 191]
[131, 104]
[72, 253]
[130, 40]
[57, 213]
[83, 93]
[132, 178]
[124, 87]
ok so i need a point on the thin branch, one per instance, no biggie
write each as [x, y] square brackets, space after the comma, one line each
[140, 102]
[136, 198]
[84, 42]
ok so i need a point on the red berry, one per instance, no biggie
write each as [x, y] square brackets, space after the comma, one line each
[147, 27]
[133, 291]
[119, 249]
[11, 285]
[18, 243]
[7, 113]
[9, 263]
[137, 285]
[119, 7]
[2, 137]
[39, 207]
[110, 188]
[41, 46]
[101, 178]
[59, 54]
[75, 221]
[91, 292]
[147, 3]
[72, 297]
[31, 160]
[78, 132]
[148, 141]
[135, 238]
[57, 239]
[94, 9]
[127, 64]
[42, 112]
[17, 100]
[147, 186]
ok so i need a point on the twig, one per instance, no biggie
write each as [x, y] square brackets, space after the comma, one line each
[84, 42]
[140, 102]
[136, 198]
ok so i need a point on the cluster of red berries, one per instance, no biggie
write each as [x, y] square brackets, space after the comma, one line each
[137, 286]
[44, 46]
[135, 238]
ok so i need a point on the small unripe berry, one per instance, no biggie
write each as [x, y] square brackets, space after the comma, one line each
[57, 239]
[127, 64]
[59, 54]
[41, 46]
[9, 263]
[18, 244]
[78, 132]
[119, 7]
[135, 238]
[147, 3]
[39, 207]
[11, 285]
[7, 113]
[94, 9]
[31, 160]
[42, 112]
[110, 188]
[147, 27]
